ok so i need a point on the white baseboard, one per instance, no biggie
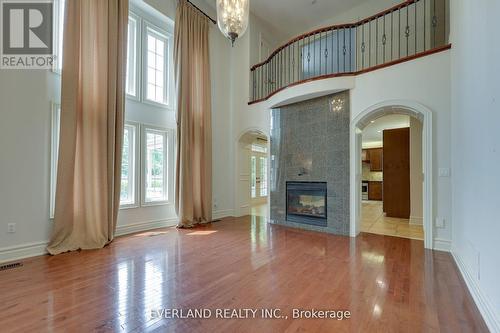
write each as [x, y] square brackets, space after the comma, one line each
[29, 250]
[482, 301]
[127, 229]
[416, 220]
[23, 251]
[218, 214]
[442, 245]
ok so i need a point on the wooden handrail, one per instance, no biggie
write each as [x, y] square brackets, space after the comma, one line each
[333, 27]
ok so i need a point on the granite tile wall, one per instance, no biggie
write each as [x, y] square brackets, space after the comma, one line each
[310, 142]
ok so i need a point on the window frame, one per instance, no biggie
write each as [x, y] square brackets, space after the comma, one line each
[263, 160]
[138, 56]
[167, 66]
[136, 164]
[57, 35]
[167, 162]
[55, 133]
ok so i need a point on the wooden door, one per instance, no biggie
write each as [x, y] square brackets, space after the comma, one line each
[396, 167]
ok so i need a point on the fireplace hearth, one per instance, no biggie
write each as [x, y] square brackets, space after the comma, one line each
[306, 203]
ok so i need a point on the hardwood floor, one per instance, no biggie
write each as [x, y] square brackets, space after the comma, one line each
[388, 284]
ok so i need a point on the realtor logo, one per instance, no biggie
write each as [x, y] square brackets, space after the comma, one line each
[27, 34]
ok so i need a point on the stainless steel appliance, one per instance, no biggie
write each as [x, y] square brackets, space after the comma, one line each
[364, 190]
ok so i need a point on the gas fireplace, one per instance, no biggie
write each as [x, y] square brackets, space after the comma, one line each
[306, 203]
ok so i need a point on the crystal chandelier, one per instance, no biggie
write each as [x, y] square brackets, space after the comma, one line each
[232, 17]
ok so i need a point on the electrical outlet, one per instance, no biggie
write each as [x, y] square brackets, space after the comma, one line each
[444, 172]
[439, 222]
[11, 228]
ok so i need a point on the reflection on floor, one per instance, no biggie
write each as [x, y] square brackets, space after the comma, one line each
[259, 210]
[374, 221]
[388, 284]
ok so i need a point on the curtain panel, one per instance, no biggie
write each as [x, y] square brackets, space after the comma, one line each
[193, 181]
[92, 120]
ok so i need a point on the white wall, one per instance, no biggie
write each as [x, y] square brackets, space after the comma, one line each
[476, 149]
[26, 97]
[427, 81]
[416, 167]
[364, 10]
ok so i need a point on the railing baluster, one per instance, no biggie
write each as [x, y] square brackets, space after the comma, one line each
[416, 30]
[384, 40]
[407, 31]
[445, 37]
[376, 41]
[338, 50]
[425, 16]
[392, 35]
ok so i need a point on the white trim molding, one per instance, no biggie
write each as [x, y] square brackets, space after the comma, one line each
[410, 108]
[122, 230]
[482, 301]
[219, 214]
[23, 251]
[442, 245]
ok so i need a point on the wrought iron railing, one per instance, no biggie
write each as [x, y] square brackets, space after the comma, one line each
[406, 31]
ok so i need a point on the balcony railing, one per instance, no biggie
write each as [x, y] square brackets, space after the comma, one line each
[411, 29]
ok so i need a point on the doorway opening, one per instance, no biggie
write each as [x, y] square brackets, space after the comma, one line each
[418, 114]
[253, 165]
[391, 172]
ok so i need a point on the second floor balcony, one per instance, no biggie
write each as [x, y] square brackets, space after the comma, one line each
[404, 32]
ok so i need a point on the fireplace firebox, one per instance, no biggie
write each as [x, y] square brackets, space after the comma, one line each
[306, 203]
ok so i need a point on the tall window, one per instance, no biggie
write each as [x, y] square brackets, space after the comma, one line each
[263, 176]
[54, 155]
[132, 73]
[128, 191]
[156, 66]
[155, 165]
[58, 33]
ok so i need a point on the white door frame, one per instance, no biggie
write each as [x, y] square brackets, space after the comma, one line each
[241, 210]
[410, 108]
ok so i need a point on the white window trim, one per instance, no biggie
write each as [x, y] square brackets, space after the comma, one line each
[138, 57]
[168, 87]
[168, 164]
[136, 164]
[57, 35]
[54, 154]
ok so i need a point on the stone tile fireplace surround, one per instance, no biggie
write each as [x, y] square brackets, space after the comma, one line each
[310, 144]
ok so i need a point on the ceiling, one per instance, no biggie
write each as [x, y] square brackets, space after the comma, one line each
[372, 134]
[297, 16]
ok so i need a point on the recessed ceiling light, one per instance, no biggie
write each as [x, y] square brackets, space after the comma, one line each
[372, 121]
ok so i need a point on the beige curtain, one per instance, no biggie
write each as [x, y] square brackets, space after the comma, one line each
[92, 117]
[194, 129]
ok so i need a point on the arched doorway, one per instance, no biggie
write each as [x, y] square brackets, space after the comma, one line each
[252, 185]
[409, 108]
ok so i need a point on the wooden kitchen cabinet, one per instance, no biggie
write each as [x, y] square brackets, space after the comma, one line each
[375, 191]
[376, 157]
[365, 155]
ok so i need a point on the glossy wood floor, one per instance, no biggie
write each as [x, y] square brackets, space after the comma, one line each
[389, 284]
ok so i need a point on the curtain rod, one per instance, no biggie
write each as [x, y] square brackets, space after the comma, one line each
[201, 11]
